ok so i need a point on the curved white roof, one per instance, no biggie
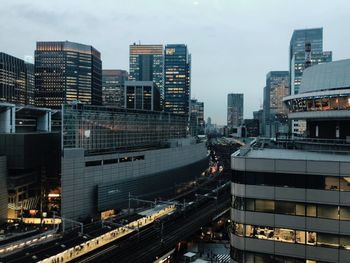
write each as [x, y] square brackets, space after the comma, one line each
[326, 76]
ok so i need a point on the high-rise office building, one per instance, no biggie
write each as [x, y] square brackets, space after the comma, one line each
[147, 64]
[15, 80]
[30, 84]
[305, 50]
[275, 111]
[177, 82]
[141, 95]
[113, 87]
[66, 72]
[234, 109]
[197, 117]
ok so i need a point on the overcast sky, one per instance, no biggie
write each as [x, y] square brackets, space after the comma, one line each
[233, 43]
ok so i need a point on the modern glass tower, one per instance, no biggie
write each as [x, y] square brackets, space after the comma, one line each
[234, 109]
[177, 85]
[66, 72]
[113, 87]
[197, 117]
[14, 80]
[305, 50]
[275, 112]
[146, 64]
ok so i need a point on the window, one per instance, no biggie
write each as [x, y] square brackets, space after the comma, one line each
[285, 208]
[250, 204]
[345, 183]
[266, 206]
[311, 210]
[327, 211]
[331, 183]
[345, 242]
[344, 213]
[300, 237]
[284, 235]
[238, 229]
[300, 209]
[93, 163]
[311, 238]
[327, 240]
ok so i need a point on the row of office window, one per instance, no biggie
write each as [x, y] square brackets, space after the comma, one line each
[293, 236]
[115, 160]
[309, 181]
[292, 208]
[254, 257]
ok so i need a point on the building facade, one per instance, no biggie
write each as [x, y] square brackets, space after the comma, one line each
[113, 87]
[147, 64]
[141, 95]
[177, 83]
[109, 153]
[305, 50]
[234, 109]
[197, 124]
[291, 197]
[16, 80]
[275, 111]
[324, 101]
[67, 72]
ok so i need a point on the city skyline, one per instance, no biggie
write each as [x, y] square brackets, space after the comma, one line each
[217, 24]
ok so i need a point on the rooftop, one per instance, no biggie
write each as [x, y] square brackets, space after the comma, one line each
[292, 154]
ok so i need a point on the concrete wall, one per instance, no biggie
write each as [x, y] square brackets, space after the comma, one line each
[80, 182]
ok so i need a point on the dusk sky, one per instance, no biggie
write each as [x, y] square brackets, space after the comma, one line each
[234, 43]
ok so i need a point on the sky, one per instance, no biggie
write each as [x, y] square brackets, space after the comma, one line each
[234, 43]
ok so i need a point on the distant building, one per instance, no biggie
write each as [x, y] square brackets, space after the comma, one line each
[197, 117]
[275, 111]
[305, 50]
[250, 128]
[147, 64]
[113, 87]
[234, 109]
[177, 88]
[258, 115]
[66, 72]
[141, 95]
[16, 80]
[30, 84]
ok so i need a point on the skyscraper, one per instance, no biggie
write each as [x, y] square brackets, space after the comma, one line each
[146, 64]
[305, 50]
[141, 95]
[113, 87]
[197, 117]
[234, 109]
[177, 83]
[275, 112]
[66, 72]
[13, 79]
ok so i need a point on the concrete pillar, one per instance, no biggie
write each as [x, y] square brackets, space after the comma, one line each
[44, 121]
[7, 118]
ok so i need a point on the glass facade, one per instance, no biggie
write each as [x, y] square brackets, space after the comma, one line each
[234, 109]
[141, 95]
[146, 64]
[309, 181]
[177, 88]
[320, 103]
[113, 87]
[102, 129]
[197, 117]
[66, 72]
[14, 80]
[291, 208]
